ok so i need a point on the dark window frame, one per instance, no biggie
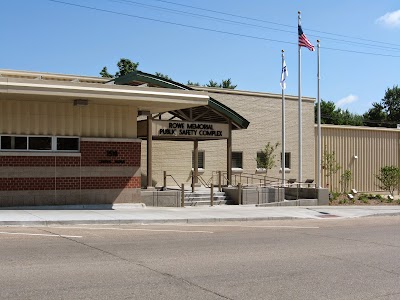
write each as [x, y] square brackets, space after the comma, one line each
[33, 141]
[201, 160]
[260, 156]
[288, 160]
[240, 160]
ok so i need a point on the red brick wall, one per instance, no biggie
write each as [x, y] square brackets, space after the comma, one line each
[93, 154]
[68, 183]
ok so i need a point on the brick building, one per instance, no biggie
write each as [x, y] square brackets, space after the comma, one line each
[73, 139]
[68, 139]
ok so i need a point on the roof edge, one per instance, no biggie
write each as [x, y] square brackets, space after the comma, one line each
[251, 93]
[236, 118]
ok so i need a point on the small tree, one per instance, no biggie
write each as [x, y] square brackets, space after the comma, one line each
[329, 165]
[267, 158]
[345, 180]
[389, 177]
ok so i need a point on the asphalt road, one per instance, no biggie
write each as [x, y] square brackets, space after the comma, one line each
[306, 259]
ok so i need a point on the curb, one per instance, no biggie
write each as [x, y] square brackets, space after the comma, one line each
[140, 221]
[120, 206]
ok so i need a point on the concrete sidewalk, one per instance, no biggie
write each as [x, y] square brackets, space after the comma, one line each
[126, 214]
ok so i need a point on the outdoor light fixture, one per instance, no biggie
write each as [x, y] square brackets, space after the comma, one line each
[390, 197]
[80, 102]
[350, 196]
[353, 191]
[355, 156]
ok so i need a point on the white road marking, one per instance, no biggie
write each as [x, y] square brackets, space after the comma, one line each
[135, 229]
[40, 234]
[244, 226]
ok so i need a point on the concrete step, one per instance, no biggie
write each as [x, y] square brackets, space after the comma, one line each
[203, 193]
[202, 197]
[206, 197]
[204, 203]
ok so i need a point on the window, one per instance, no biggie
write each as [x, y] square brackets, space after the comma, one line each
[200, 160]
[13, 142]
[237, 160]
[39, 143]
[67, 144]
[260, 160]
[287, 159]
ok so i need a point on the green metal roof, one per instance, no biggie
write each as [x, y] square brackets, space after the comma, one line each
[138, 78]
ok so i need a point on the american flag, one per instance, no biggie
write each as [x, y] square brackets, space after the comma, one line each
[303, 40]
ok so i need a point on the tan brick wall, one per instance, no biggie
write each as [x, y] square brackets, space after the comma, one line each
[263, 111]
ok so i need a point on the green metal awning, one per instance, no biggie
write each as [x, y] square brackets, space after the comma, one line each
[215, 111]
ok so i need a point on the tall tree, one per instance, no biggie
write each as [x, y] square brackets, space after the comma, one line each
[124, 65]
[330, 114]
[391, 103]
[347, 118]
[376, 116]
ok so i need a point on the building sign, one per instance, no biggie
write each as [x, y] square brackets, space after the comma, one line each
[190, 130]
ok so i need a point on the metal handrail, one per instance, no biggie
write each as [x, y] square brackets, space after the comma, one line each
[202, 181]
[174, 180]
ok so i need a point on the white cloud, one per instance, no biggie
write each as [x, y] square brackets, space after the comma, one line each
[390, 19]
[346, 100]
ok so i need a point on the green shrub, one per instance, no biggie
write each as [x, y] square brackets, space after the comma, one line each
[379, 197]
[362, 196]
[371, 196]
[398, 201]
[335, 195]
[389, 178]
[389, 200]
[345, 180]
[365, 200]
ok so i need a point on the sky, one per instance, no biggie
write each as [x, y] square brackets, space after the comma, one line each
[199, 40]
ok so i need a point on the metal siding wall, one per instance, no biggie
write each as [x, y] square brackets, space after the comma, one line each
[49, 118]
[374, 148]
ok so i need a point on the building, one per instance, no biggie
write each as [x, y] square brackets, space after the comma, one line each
[73, 139]
[263, 111]
[68, 139]
[362, 151]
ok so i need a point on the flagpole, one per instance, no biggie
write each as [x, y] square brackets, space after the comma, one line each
[300, 111]
[319, 120]
[283, 125]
